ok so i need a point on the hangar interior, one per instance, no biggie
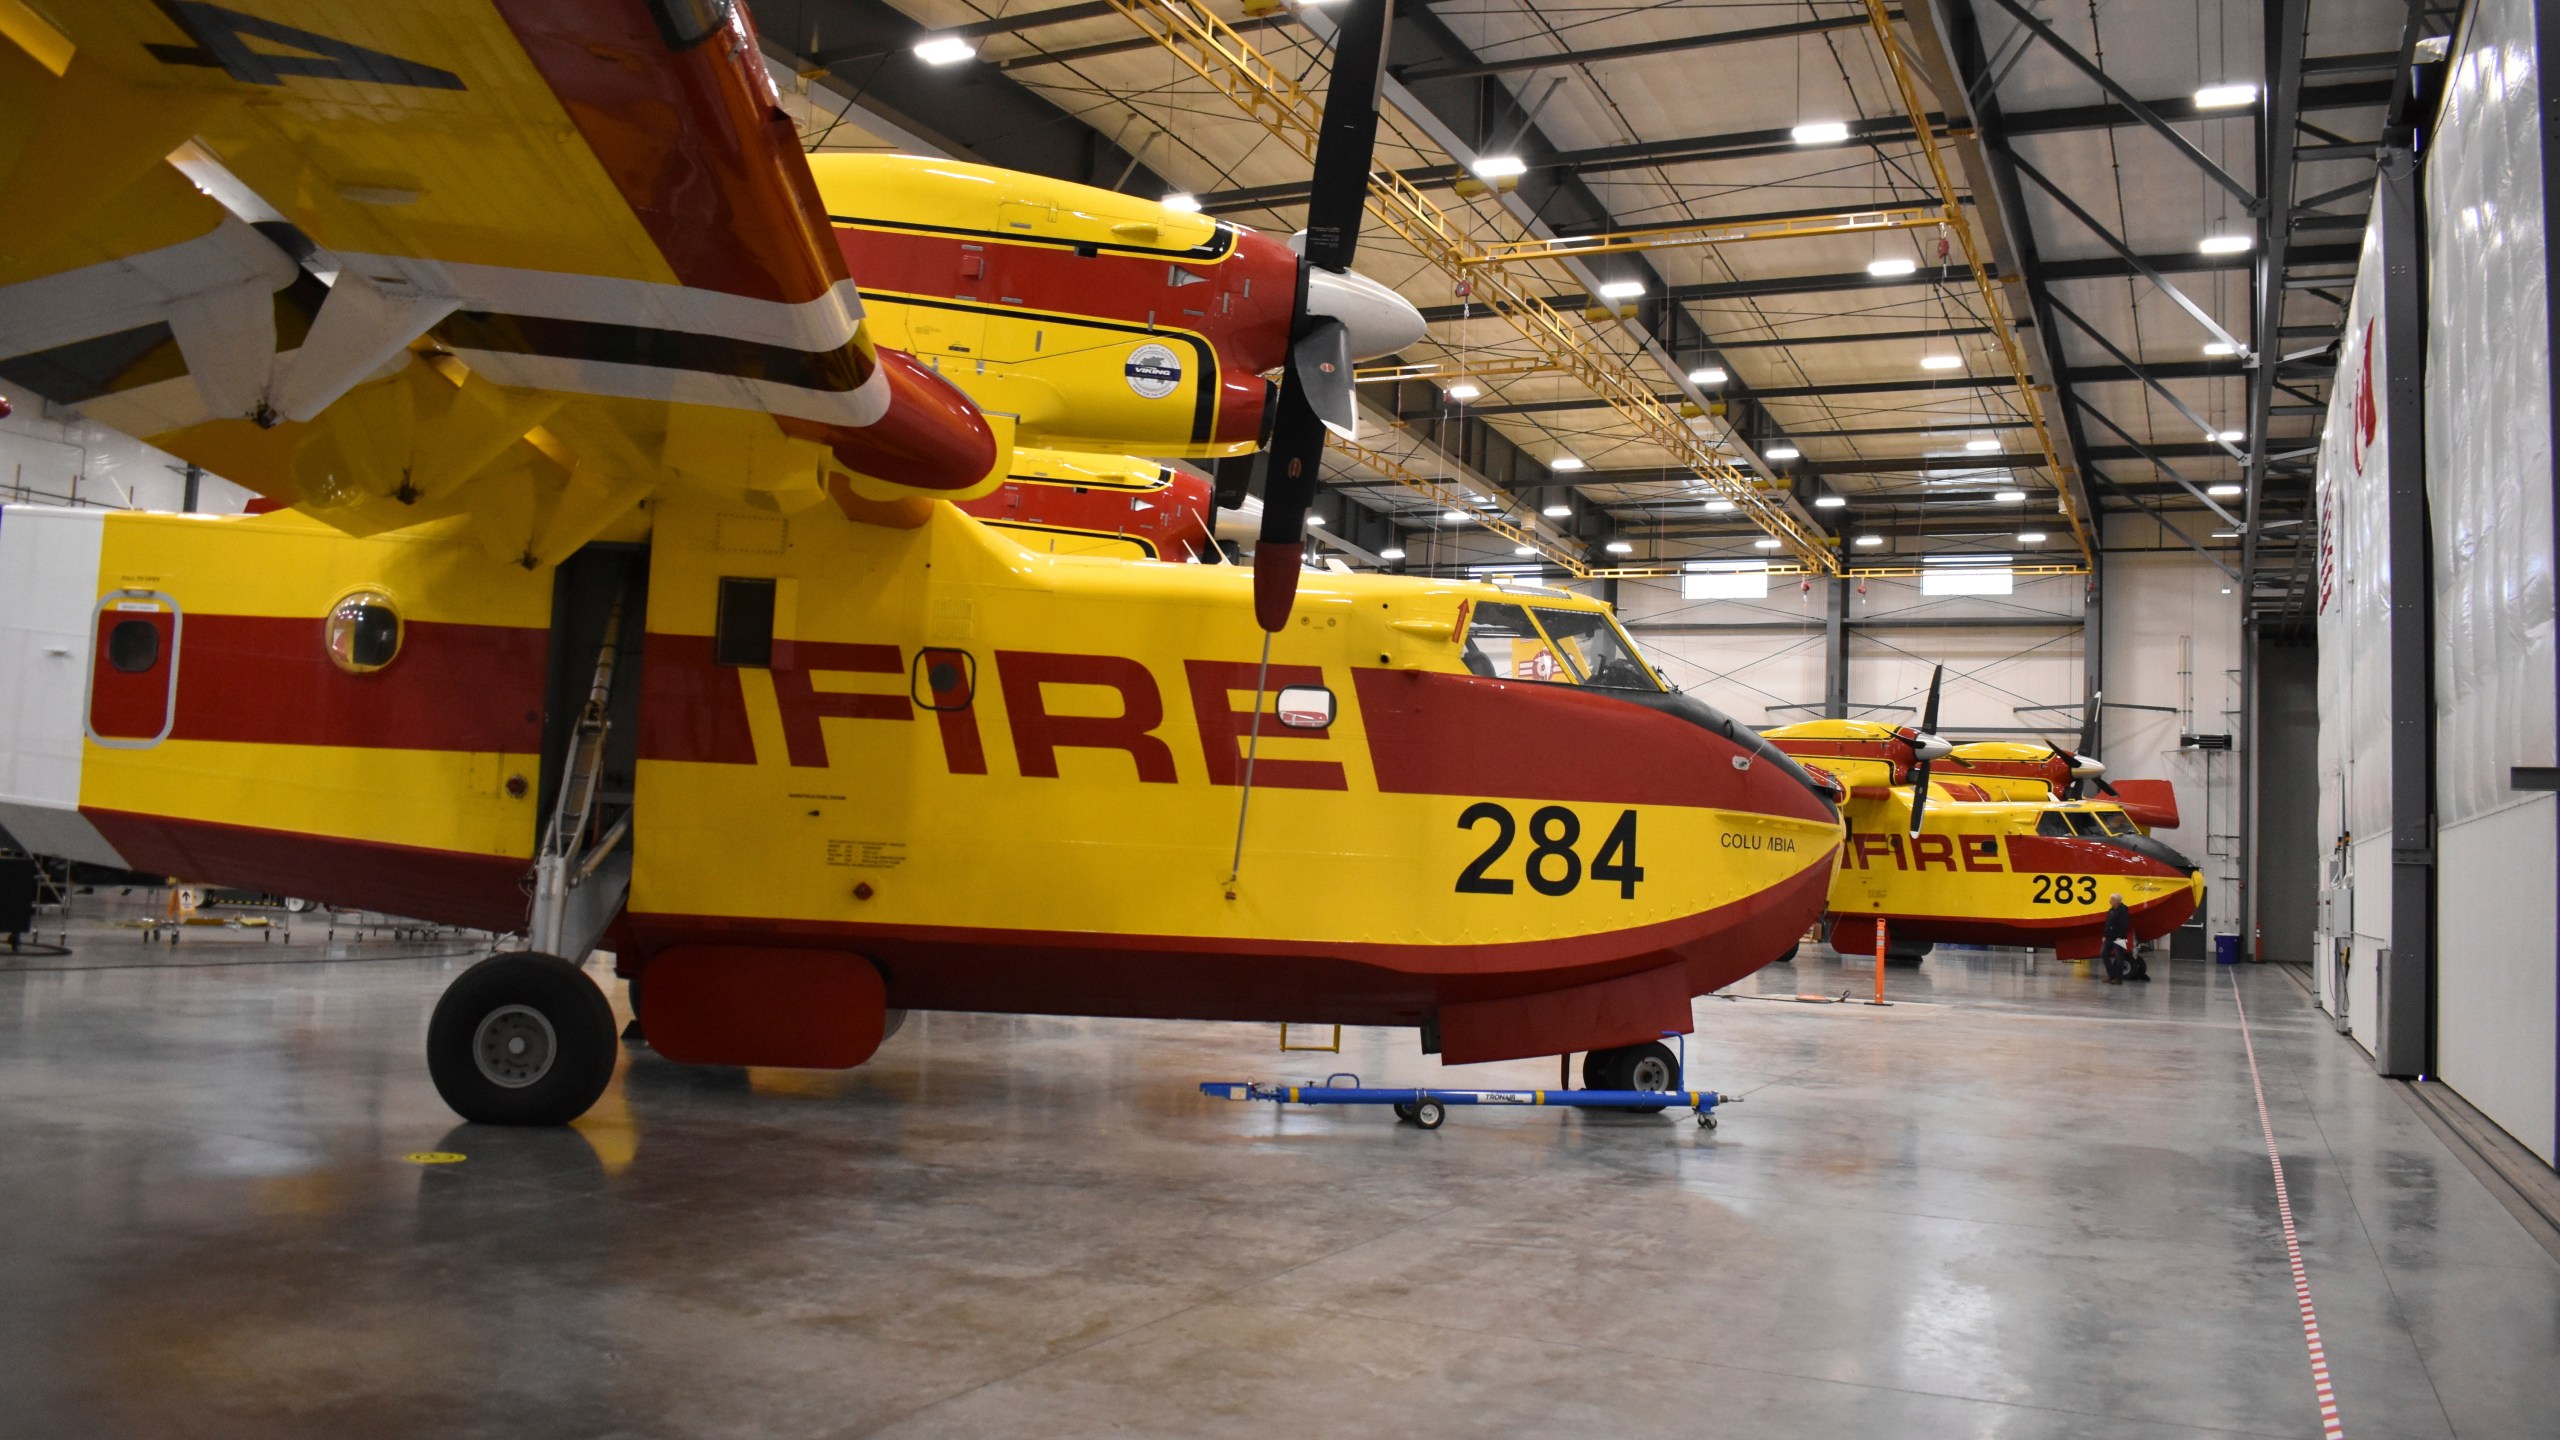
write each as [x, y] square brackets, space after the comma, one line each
[2162, 382]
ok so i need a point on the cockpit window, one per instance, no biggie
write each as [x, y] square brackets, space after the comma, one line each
[1597, 652]
[2115, 822]
[1502, 643]
[2052, 823]
[2086, 825]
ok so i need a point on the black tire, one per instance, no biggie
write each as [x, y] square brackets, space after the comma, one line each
[521, 1039]
[1404, 1109]
[1605, 1069]
[1429, 1113]
[1650, 1066]
[1790, 957]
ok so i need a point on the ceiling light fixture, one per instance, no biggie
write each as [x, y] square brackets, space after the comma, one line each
[1940, 362]
[2223, 97]
[1499, 167]
[1620, 547]
[1882, 269]
[1526, 550]
[1707, 375]
[1764, 544]
[1316, 521]
[2222, 492]
[1622, 290]
[2224, 244]
[2010, 497]
[1871, 540]
[1182, 200]
[1391, 553]
[2030, 537]
[1781, 452]
[1557, 512]
[1982, 447]
[2220, 347]
[1565, 462]
[1455, 517]
[2231, 437]
[1719, 506]
[945, 49]
[1829, 502]
[1821, 132]
[1463, 392]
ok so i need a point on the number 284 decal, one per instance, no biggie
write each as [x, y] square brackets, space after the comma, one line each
[1553, 866]
[2066, 889]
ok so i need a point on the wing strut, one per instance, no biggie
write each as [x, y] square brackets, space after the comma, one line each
[565, 868]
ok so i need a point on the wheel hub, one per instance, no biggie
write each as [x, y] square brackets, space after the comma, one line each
[514, 1046]
[1649, 1073]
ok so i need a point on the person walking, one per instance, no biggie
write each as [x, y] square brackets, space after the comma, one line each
[2114, 948]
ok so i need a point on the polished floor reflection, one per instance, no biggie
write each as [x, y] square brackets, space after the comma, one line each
[2017, 1203]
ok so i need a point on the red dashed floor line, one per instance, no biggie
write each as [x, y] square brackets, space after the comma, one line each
[2320, 1386]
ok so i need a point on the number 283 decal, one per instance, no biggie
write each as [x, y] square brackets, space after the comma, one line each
[1553, 866]
[2066, 889]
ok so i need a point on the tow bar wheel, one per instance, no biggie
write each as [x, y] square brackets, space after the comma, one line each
[521, 1039]
[1429, 1113]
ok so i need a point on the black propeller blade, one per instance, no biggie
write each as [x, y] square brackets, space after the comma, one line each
[1315, 390]
[1928, 742]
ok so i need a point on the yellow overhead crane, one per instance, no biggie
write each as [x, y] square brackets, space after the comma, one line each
[1268, 93]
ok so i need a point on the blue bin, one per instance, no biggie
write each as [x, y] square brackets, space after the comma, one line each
[2226, 949]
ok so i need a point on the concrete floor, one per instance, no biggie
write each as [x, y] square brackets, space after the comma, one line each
[2016, 1204]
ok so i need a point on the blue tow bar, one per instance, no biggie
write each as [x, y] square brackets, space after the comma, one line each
[1427, 1106]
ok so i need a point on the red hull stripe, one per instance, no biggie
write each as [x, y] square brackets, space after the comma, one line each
[441, 885]
[2056, 855]
[2152, 919]
[691, 709]
[1522, 739]
[268, 680]
[937, 967]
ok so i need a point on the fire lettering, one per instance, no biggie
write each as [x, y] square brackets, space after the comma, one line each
[1038, 734]
[804, 706]
[1224, 728]
[1982, 852]
[1928, 850]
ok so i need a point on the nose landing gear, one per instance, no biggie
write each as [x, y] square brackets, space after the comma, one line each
[521, 1039]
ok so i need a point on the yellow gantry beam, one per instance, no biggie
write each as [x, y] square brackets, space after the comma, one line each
[1995, 308]
[1457, 499]
[1211, 49]
[1857, 222]
[1445, 369]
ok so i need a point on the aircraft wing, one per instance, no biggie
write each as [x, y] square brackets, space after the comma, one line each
[523, 260]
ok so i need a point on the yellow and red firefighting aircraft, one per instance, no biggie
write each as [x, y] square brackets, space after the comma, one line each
[1934, 859]
[2016, 770]
[621, 562]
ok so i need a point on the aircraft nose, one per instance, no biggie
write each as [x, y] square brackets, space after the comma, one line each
[1381, 321]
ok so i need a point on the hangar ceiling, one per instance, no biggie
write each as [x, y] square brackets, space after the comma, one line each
[2178, 331]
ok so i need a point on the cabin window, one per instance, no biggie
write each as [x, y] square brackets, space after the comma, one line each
[743, 633]
[133, 646]
[1502, 643]
[362, 632]
[2052, 823]
[2086, 825]
[2116, 822]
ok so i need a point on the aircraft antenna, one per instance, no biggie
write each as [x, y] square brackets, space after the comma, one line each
[1252, 747]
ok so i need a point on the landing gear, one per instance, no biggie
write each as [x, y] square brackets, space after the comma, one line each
[1649, 1066]
[521, 1039]
[1906, 957]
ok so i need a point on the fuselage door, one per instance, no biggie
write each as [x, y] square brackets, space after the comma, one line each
[133, 669]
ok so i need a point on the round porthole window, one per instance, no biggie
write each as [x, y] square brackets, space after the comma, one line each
[363, 633]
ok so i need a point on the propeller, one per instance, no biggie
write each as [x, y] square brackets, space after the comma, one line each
[2084, 766]
[1315, 386]
[1925, 747]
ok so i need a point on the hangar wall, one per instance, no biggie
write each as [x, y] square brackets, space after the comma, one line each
[2172, 637]
[2489, 493]
[51, 456]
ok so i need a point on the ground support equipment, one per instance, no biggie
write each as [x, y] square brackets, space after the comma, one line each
[1428, 1106]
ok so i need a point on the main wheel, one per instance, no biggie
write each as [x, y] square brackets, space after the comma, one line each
[1650, 1066]
[521, 1039]
[1605, 1069]
[1429, 1113]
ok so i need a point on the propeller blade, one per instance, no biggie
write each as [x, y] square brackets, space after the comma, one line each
[1919, 795]
[2101, 782]
[1315, 393]
[2089, 725]
[1348, 133]
[1297, 447]
[1929, 712]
